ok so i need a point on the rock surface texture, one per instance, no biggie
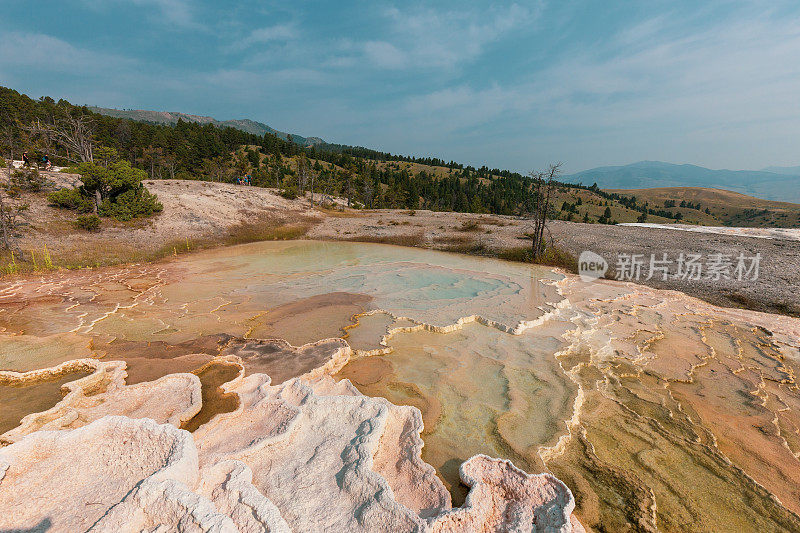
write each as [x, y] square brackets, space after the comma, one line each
[310, 454]
[659, 411]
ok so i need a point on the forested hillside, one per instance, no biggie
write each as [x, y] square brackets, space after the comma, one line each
[366, 178]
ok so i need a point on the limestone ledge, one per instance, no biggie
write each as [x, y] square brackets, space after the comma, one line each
[310, 454]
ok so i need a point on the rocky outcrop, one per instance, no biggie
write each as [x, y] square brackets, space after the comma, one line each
[104, 393]
[505, 498]
[69, 480]
[305, 455]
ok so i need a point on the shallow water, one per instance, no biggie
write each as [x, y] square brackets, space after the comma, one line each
[657, 411]
[19, 400]
[297, 291]
[215, 400]
[480, 391]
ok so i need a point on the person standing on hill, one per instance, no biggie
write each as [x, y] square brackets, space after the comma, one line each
[25, 161]
[46, 162]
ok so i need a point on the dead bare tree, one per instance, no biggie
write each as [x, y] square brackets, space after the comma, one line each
[313, 183]
[152, 156]
[542, 190]
[9, 139]
[74, 133]
[367, 191]
[11, 202]
[348, 186]
[6, 221]
[215, 168]
[170, 162]
[303, 171]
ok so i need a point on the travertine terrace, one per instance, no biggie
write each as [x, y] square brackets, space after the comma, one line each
[347, 386]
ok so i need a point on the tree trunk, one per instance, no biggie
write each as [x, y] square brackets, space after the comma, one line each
[4, 224]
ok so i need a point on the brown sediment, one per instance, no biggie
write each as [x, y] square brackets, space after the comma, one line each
[215, 401]
[373, 376]
[121, 349]
[606, 498]
[669, 481]
[279, 359]
[21, 399]
[141, 369]
[150, 360]
[23, 353]
[323, 316]
[367, 371]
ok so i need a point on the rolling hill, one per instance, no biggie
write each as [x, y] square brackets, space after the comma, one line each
[172, 117]
[723, 207]
[654, 174]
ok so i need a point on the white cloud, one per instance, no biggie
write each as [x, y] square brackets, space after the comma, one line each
[176, 13]
[268, 34]
[430, 38]
[723, 95]
[21, 50]
[273, 33]
[385, 54]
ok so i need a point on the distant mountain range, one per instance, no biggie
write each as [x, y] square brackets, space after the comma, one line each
[172, 117]
[789, 171]
[772, 183]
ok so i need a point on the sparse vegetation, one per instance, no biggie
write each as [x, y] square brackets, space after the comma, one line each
[88, 222]
[71, 199]
[266, 229]
[290, 193]
[470, 225]
[552, 255]
[12, 205]
[416, 240]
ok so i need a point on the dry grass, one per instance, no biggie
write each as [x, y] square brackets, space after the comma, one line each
[553, 256]
[266, 230]
[462, 244]
[469, 225]
[416, 240]
[336, 211]
[495, 222]
[26, 261]
[100, 252]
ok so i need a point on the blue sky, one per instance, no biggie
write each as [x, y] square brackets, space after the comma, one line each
[510, 85]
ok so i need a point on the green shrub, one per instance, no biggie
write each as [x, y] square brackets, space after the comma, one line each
[88, 222]
[184, 175]
[133, 203]
[3, 163]
[24, 180]
[290, 193]
[70, 199]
